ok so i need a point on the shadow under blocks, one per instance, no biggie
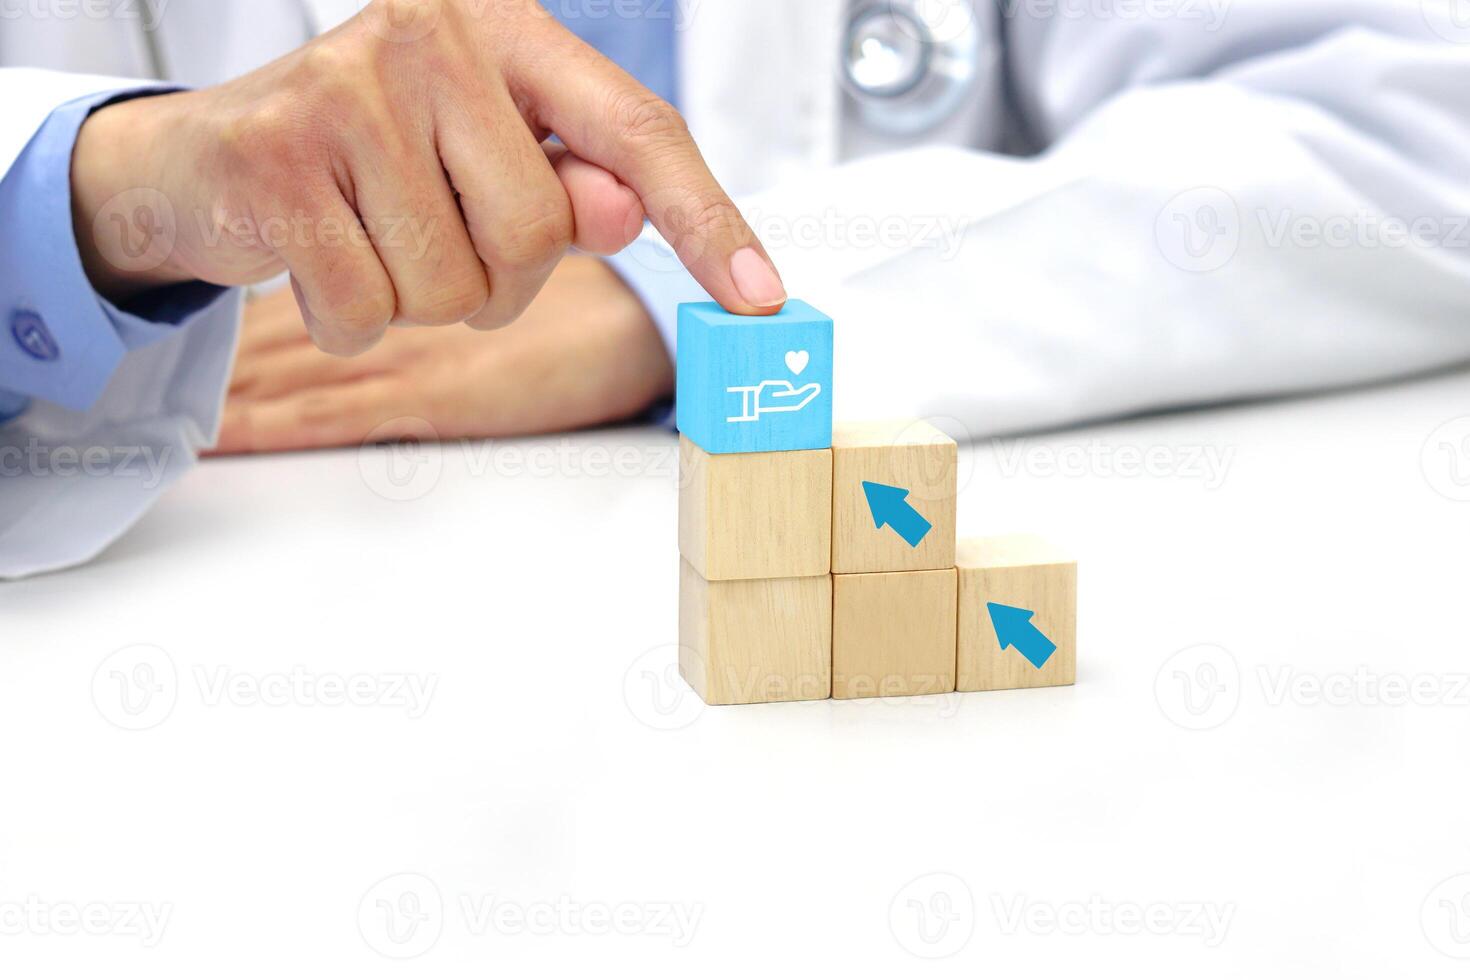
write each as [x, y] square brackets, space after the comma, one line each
[819, 560]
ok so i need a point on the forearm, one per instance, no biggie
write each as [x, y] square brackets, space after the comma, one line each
[585, 353]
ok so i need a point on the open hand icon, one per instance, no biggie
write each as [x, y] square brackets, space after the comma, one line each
[772, 396]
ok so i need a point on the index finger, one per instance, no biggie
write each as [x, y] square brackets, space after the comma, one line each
[604, 116]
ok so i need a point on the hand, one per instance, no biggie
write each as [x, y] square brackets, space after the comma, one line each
[398, 167]
[584, 353]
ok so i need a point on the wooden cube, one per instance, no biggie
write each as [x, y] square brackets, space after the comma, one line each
[755, 384]
[893, 634]
[755, 515]
[893, 497]
[755, 640]
[1018, 614]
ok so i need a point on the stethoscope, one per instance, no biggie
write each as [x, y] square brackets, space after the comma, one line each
[909, 64]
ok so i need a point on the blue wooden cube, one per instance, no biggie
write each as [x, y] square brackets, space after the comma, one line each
[755, 384]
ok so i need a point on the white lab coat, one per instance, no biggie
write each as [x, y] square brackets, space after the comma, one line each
[1027, 292]
[1214, 215]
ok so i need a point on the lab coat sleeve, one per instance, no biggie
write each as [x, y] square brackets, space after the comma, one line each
[1267, 204]
[102, 407]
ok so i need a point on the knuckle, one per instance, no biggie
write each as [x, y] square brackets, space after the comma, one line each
[268, 135]
[645, 118]
[292, 125]
[357, 313]
[715, 217]
[448, 302]
[317, 413]
[538, 236]
[325, 65]
[327, 80]
[338, 85]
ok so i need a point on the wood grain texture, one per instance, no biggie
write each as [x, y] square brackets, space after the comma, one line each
[750, 641]
[893, 634]
[1026, 572]
[911, 454]
[755, 515]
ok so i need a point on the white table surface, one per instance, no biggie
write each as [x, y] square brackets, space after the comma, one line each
[552, 777]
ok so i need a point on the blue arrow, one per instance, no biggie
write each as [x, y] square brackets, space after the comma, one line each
[1013, 628]
[890, 505]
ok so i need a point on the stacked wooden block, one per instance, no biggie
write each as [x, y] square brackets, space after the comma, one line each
[821, 561]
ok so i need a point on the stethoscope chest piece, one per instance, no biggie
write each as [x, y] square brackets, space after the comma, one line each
[909, 64]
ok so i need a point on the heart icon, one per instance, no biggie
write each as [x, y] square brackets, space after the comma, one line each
[797, 360]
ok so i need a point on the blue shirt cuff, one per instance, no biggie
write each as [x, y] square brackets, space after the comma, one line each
[59, 340]
[12, 406]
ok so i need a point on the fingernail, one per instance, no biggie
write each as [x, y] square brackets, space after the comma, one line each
[755, 279]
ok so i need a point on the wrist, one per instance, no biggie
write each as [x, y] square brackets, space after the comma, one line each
[125, 222]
